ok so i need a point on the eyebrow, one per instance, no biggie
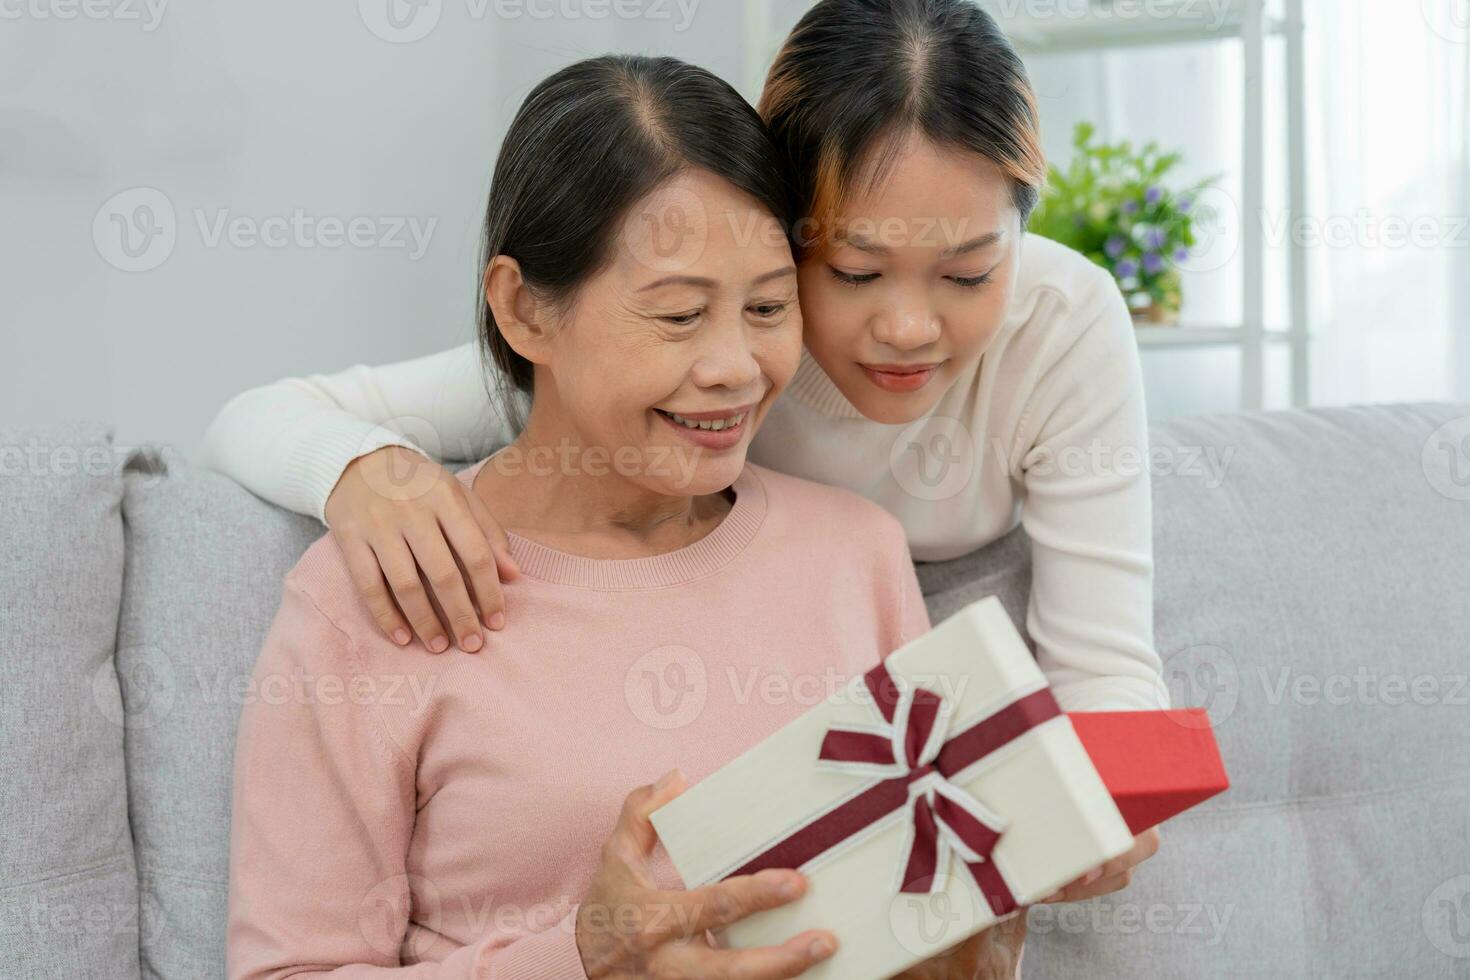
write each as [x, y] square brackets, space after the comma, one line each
[698, 281]
[863, 244]
[973, 245]
[781, 273]
[702, 282]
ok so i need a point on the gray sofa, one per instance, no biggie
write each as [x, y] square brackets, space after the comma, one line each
[1313, 572]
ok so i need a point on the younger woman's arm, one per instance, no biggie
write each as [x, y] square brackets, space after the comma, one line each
[290, 440]
[1088, 512]
[358, 450]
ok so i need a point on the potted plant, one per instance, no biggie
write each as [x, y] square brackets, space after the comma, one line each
[1112, 204]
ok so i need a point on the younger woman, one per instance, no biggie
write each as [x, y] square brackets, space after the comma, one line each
[403, 814]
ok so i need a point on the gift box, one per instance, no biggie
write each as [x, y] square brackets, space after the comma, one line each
[930, 798]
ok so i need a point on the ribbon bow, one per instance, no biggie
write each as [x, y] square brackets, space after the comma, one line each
[942, 817]
[914, 762]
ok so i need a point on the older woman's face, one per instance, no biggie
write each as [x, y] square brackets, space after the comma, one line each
[672, 355]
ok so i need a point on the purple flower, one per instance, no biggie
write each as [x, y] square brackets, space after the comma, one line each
[1153, 263]
[1126, 269]
[1154, 238]
[1153, 195]
[1181, 253]
[1185, 203]
[1115, 246]
[1130, 207]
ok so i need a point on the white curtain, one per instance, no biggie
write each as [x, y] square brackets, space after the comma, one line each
[1389, 133]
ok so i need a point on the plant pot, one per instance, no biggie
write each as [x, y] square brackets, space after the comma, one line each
[1156, 315]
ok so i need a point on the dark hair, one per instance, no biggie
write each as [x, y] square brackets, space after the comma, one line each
[856, 77]
[585, 146]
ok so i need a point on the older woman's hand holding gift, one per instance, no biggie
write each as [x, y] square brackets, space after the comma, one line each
[995, 954]
[629, 927]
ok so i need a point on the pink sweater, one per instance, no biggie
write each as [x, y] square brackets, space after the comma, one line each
[441, 816]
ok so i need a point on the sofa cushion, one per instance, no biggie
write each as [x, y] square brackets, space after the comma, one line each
[1312, 571]
[205, 563]
[1001, 568]
[68, 895]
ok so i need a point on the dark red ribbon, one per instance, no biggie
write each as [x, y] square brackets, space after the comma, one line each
[955, 754]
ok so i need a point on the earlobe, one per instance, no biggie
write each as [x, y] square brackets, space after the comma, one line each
[518, 313]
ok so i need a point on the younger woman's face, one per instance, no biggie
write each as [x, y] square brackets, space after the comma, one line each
[916, 282]
[672, 355]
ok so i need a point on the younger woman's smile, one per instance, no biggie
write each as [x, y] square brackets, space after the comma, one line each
[901, 378]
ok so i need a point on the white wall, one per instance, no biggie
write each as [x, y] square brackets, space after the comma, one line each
[251, 110]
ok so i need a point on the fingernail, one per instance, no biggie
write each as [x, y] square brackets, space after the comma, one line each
[665, 780]
[401, 637]
[438, 644]
[1054, 896]
[471, 643]
[820, 949]
[790, 888]
[1092, 876]
[497, 621]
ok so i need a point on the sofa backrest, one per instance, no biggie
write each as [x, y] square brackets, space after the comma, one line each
[205, 563]
[68, 895]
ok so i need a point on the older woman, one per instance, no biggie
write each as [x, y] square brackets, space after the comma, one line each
[470, 816]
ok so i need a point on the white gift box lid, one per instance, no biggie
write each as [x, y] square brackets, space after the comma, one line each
[1057, 819]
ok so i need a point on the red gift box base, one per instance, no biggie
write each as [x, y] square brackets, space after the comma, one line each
[1156, 764]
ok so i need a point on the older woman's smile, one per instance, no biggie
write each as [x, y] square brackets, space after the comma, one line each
[717, 429]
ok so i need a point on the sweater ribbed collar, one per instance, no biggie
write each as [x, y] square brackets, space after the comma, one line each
[711, 552]
[811, 386]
